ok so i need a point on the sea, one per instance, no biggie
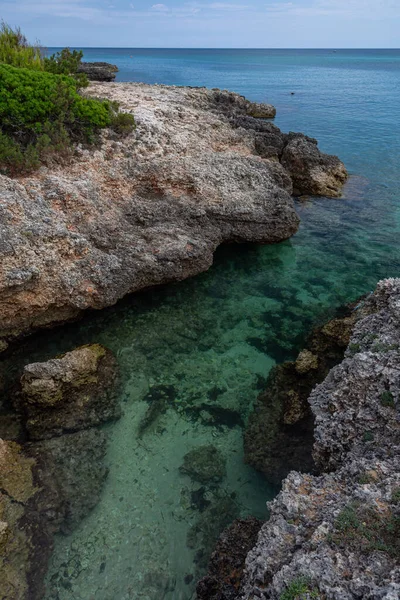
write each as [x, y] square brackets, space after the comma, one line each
[219, 334]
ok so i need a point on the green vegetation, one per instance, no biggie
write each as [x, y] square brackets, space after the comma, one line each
[66, 63]
[42, 113]
[298, 589]
[387, 399]
[368, 436]
[364, 529]
[354, 348]
[15, 50]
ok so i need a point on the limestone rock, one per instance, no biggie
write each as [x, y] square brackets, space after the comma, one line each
[312, 172]
[306, 361]
[205, 464]
[25, 538]
[70, 393]
[338, 533]
[225, 571]
[280, 431]
[98, 71]
[76, 462]
[148, 209]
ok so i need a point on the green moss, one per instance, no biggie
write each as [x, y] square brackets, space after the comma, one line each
[354, 348]
[396, 496]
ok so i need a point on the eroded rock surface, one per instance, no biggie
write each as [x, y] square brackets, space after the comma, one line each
[150, 208]
[50, 485]
[279, 435]
[336, 536]
[73, 392]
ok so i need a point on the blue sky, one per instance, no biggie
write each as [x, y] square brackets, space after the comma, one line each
[215, 24]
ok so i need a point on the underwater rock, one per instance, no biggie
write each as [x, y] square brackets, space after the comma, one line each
[205, 464]
[98, 71]
[25, 536]
[280, 431]
[227, 562]
[312, 171]
[337, 535]
[148, 209]
[76, 462]
[204, 533]
[73, 392]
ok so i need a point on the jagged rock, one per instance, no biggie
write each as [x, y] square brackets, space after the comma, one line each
[261, 111]
[205, 464]
[225, 570]
[70, 393]
[146, 210]
[98, 71]
[280, 431]
[338, 533]
[312, 171]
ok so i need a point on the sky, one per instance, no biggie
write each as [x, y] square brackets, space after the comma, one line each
[208, 24]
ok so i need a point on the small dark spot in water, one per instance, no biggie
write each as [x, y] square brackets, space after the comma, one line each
[220, 416]
[198, 500]
[102, 567]
[121, 498]
[188, 579]
[214, 392]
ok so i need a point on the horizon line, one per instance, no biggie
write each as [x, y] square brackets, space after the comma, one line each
[216, 48]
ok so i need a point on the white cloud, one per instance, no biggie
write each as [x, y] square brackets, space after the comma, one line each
[160, 7]
[226, 6]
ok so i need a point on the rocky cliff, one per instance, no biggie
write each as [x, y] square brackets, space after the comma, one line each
[199, 170]
[336, 536]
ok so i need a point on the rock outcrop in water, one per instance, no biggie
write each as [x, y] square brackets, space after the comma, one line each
[336, 536]
[152, 208]
[52, 481]
[279, 435]
[98, 71]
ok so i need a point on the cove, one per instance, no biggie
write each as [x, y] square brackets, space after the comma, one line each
[214, 339]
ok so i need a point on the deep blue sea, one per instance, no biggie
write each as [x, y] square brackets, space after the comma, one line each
[225, 329]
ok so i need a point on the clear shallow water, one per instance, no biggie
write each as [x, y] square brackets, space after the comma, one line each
[218, 334]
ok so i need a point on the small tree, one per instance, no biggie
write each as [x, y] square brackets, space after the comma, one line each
[16, 51]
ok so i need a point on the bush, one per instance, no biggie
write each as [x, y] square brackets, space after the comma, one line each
[67, 63]
[15, 50]
[42, 114]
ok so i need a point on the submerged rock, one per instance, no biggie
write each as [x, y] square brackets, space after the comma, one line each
[280, 431]
[337, 535]
[150, 208]
[205, 464]
[225, 570]
[51, 485]
[70, 393]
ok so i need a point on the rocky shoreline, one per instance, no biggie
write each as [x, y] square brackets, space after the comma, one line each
[199, 171]
[203, 168]
[335, 535]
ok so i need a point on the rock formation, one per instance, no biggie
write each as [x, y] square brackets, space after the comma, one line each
[336, 536]
[50, 485]
[70, 393]
[279, 435]
[98, 71]
[150, 208]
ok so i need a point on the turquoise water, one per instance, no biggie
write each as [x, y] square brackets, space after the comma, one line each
[210, 341]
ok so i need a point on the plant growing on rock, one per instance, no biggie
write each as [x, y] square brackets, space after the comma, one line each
[66, 62]
[299, 589]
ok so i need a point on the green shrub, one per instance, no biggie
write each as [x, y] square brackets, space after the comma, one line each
[387, 399]
[122, 123]
[364, 529]
[15, 50]
[298, 589]
[67, 63]
[42, 114]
